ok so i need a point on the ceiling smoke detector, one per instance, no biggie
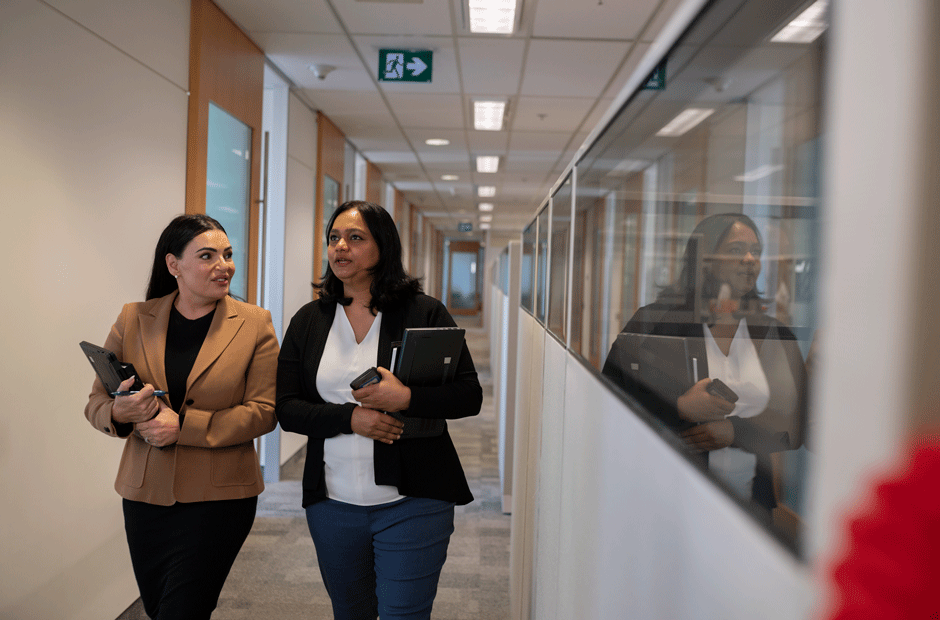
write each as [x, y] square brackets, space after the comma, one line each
[321, 71]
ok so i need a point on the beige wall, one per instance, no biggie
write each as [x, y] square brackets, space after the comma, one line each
[92, 166]
[298, 236]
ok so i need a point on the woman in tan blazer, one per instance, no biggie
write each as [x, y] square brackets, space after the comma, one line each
[189, 475]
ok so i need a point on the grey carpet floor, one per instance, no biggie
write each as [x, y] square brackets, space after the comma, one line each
[276, 577]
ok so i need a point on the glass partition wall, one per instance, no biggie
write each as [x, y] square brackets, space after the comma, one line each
[695, 249]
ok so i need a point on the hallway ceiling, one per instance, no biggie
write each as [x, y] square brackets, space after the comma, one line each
[560, 72]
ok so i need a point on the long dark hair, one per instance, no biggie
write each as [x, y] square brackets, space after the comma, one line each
[704, 241]
[174, 239]
[391, 284]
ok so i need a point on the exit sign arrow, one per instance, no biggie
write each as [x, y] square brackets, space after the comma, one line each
[405, 65]
[417, 67]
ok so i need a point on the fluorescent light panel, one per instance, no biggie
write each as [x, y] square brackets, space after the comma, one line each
[758, 173]
[437, 142]
[485, 226]
[487, 163]
[686, 120]
[805, 27]
[486, 191]
[488, 115]
[485, 206]
[486, 218]
[492, 16]
[450, 177]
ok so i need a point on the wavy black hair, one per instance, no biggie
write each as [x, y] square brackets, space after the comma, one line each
[391, 284]
[709, 234]
[173, 240]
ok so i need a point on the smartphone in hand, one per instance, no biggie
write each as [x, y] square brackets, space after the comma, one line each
[719, 389]
[367, 378]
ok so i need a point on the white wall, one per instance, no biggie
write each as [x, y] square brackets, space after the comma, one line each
[298, 240]
[610, 522]
[92, 165]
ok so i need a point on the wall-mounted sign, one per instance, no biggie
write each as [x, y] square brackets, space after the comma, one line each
[464, 226]
[657, 80]
[405, 65]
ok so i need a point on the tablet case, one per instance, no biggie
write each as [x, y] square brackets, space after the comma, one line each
[428, 356]
[110, 370]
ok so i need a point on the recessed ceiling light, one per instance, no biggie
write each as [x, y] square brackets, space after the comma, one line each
[484, 226]
[437, 142]
[492, 16]
[686, 120]
[450, 177]
[487, 163]
[488, 115]
[486, 218]
[486, 206]
[486, 191]
[805, 27]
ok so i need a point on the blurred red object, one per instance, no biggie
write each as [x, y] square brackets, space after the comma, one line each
[892, 567]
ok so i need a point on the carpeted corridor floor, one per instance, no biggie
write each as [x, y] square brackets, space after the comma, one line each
[276, 577]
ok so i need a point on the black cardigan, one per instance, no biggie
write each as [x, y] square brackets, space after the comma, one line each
[426, 467]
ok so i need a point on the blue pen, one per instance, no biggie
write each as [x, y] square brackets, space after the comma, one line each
[155, 393]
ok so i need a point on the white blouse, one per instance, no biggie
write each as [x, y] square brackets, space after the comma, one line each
[742, 371]
[348, 459]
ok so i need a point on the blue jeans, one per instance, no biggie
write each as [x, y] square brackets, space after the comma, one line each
[381, 560]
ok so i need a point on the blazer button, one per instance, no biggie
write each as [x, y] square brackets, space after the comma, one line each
[189, 401]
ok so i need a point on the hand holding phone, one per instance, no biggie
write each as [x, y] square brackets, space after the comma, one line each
[717, 388]
[367, 378]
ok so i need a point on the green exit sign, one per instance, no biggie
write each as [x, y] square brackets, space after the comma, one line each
[464, 227]
[657, 80]
[405, 65]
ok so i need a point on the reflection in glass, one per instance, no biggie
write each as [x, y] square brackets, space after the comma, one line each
[696, 251]
[541, 269]
[527, 280]
[558, 272]
[330, 202]
[228, 177]
[463, 278]
[708, 332]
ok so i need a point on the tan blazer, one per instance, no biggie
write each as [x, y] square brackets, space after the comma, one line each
[229, 402]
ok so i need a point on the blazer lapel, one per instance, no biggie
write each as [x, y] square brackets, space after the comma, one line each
[225, 324]
[153, 326]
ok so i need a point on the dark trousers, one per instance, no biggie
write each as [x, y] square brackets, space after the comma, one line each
[182, 553]
[381, 560]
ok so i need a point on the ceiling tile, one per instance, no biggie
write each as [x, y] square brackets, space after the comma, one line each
[552, 65]
[294, 53]
[429, 111]
[310, 16]
[601, 19]
[426, 18]
[554, 114]
[491, 66]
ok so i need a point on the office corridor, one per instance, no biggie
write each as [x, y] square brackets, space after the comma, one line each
[276, 577]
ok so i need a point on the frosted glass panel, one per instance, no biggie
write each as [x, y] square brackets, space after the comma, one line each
[228, 180]
[463, 285]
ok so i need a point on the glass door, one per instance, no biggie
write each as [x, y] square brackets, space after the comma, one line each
[228, 181]
[463, 278]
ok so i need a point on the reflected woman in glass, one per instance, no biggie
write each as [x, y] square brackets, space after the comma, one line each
[716, 307]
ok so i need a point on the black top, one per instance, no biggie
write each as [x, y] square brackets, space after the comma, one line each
[426, 467]
[184, 338]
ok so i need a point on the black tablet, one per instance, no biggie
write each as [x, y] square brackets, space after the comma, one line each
[109, 368]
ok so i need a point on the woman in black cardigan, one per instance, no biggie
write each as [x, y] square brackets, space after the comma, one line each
[380, 507]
